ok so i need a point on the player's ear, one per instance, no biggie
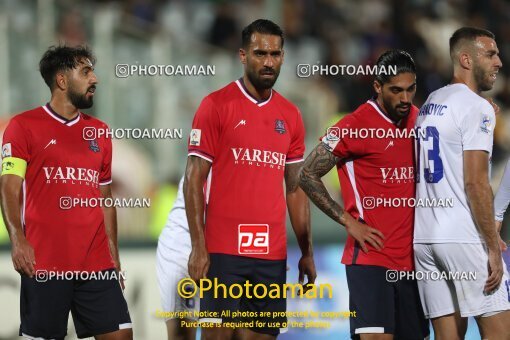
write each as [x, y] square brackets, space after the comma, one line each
[61, 80]
[377, 87]
[465, 60]
[242, 56]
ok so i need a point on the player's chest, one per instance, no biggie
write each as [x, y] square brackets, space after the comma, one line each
[66, 146]
[256, 129]
[389, 161]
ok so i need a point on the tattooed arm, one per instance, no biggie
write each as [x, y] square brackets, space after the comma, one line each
[318, 163]
[299, 212]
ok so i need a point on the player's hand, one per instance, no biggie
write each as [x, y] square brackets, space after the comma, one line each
[363, 233]
[198, 264]
[494, 105]
[495, 271]
[23, 257]
[306, 267]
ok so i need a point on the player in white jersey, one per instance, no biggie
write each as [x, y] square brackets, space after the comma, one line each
[174, 247]
[501, 202]
[456, 127]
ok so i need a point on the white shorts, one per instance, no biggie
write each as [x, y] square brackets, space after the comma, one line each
[172, 266]
[462, 291]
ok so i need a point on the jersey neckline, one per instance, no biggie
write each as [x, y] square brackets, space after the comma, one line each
[59, 118]
[244, 90]
[375, 105]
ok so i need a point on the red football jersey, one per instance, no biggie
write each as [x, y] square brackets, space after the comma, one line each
[377, 168]
[248, 143]
[61, 163]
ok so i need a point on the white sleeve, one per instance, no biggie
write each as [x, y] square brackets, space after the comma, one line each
[503, 196]
[477, 127]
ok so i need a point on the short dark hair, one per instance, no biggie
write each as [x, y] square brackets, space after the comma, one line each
[262, 26]
[396, 58]
[467, 33]
[62, 58]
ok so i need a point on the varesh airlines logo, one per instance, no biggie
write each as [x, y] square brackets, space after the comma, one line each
[70, 175]
[397, 175]
[258, 158]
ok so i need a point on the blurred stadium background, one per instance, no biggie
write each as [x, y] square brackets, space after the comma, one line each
[197, 32]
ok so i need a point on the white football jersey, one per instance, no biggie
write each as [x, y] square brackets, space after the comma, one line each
[176, 223]
[503, 196]
[453, 119]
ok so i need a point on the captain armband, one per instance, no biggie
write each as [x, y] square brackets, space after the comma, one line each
[14, 166]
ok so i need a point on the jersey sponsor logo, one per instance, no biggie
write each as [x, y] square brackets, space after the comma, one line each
[52, 142]
[93, 145]
[397, 175]
[486, 124]
[70, 175]
[279, 126]
[258, 157]
[253, 239]
[6, 150]
[194, 137]
[242, 122]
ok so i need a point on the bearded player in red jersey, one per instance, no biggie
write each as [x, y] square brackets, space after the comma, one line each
[247, 138]
[46, 162]
[379, 238]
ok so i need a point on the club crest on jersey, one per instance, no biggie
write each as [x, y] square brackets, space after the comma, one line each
[279, 126]
[93, 145]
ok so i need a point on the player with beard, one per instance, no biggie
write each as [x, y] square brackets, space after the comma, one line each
[454, 162]
[46, 162]
[246, 139]
[379, 237]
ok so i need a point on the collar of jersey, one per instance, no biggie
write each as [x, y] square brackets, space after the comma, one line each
[379, 110]
[56, 116]
[243, 89]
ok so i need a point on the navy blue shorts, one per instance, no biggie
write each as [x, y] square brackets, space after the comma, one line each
[232, 269]
[97, 306]
[384, 307]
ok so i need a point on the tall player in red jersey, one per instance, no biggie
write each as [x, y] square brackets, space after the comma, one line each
[248, 139]
[46, 162]
[379, 238]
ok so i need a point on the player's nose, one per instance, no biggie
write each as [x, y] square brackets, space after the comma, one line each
[268, 61]
[94, 79]
[499, 63]
[404, 97]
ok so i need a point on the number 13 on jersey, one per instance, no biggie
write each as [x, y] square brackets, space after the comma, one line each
[427, 141]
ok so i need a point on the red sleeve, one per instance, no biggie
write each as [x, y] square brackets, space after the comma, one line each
[205, 131]
[297, 142]
[105, 177]
[338, 140]
[15, 141]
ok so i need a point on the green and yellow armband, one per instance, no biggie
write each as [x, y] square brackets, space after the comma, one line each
[14, 166]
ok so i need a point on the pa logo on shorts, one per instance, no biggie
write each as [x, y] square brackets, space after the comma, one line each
[253, 239]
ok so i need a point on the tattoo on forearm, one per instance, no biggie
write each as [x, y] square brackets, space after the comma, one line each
[317, 164]
[292, 177]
